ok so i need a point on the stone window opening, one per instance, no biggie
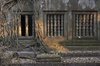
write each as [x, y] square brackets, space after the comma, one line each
[54, 24]
[26, 25]
[85, 24]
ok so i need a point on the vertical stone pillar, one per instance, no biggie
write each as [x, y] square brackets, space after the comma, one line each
[19, 27]
[26, 21]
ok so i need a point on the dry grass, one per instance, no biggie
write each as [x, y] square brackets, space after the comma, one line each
[54, 44]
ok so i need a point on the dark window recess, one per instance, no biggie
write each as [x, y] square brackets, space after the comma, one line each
[23, 25]
[85, 24]
[30, 25]
[55, 24]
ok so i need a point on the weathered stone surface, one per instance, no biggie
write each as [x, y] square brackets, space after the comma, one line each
[26, 54]
[81, 60]
[48, 58]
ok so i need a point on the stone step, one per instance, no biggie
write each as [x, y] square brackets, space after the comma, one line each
[82, 47]
[55, 64]
[26, 42]
[81, 60]
[86, 41]
[39, 57]
[25, 54]
[26, 38]
[79, 53]
[82, 43]
[48, 58]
